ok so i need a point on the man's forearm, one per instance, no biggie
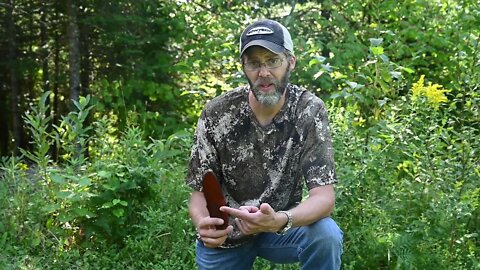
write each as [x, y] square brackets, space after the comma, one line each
[319, 204]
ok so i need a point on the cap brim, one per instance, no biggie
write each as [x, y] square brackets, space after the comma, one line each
[275, 48]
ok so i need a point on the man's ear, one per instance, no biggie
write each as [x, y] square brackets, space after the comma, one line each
[293, 61]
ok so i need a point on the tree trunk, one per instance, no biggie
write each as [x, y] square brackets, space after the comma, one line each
[56, 76]
[326, 14]
[45, 48]
[4, 120]
[85, 64]
[74, 49]
[44, 56]
[44, 52]
[85, 60]
[14, 85]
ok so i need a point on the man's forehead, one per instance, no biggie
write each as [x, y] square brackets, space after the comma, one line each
[259, 52]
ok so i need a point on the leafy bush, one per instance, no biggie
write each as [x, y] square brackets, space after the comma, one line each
[105, 200]
[408, 197]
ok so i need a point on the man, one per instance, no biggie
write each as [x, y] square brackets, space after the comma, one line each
[263, 141]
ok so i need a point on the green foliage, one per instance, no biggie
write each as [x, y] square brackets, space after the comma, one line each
[20, 218]
[408, 191]
[38, 123]
[135, 42]
[125, 193]
[407, 160]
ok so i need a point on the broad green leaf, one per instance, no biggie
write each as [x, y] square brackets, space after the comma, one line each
[65, 217]
[377, 50]
[50, 208]
[316, 60]
[104, 174]
[63, 194]
[354, 85]
[408, 70]
[109, 187]
[84, 182]
[36, 241]
[386, 76]
[82, 212]
[375, 42]
[327, 67]
[318, 74]
[118, 212]
[57, 178]
[384, 58]
[107, 205]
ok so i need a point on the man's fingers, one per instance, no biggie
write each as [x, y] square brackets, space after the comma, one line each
[235, 212]
[249, 208]
[210, 222]
[243, 226]
[213, 238]
[250, 213]
[212, 234]
[213, 242]
[266, 209]
[244, 209]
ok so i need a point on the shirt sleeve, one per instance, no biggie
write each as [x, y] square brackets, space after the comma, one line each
[317, 161]
[203, 156]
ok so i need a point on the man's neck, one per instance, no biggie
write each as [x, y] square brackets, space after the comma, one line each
[263, 113]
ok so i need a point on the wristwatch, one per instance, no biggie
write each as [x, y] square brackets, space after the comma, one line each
[289, 222]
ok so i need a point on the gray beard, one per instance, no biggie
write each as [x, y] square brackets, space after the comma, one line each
[270, 99]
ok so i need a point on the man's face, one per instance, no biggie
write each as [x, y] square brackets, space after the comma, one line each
[268, 74]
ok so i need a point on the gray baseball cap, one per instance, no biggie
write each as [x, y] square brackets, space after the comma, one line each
[269, 34]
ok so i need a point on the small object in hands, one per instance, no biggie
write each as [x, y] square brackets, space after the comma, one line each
[214, 196]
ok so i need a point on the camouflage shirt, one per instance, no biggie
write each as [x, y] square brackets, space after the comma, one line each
[263, 164]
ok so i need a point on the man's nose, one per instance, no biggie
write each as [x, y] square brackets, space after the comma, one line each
[264, 71]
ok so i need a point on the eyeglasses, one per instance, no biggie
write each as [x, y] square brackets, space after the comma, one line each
[271, 63]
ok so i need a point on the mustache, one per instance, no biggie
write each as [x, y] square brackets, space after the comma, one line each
[265, 81]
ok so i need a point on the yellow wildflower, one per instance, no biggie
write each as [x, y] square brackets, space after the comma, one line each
[433, 92]
[436, 94]
[23, 166]
[418, 88]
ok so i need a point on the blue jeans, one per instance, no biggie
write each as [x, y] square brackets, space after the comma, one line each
[317, 246]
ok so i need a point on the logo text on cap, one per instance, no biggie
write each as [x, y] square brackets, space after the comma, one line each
[260, 31]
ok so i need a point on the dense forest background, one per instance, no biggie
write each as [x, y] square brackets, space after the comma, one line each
[99, 99]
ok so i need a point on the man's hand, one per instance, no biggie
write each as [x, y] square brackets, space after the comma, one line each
[251, 219]
[210, 236]
[205, 224]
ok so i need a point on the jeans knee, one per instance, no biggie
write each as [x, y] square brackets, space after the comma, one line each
[325, 232]
[324, 246]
